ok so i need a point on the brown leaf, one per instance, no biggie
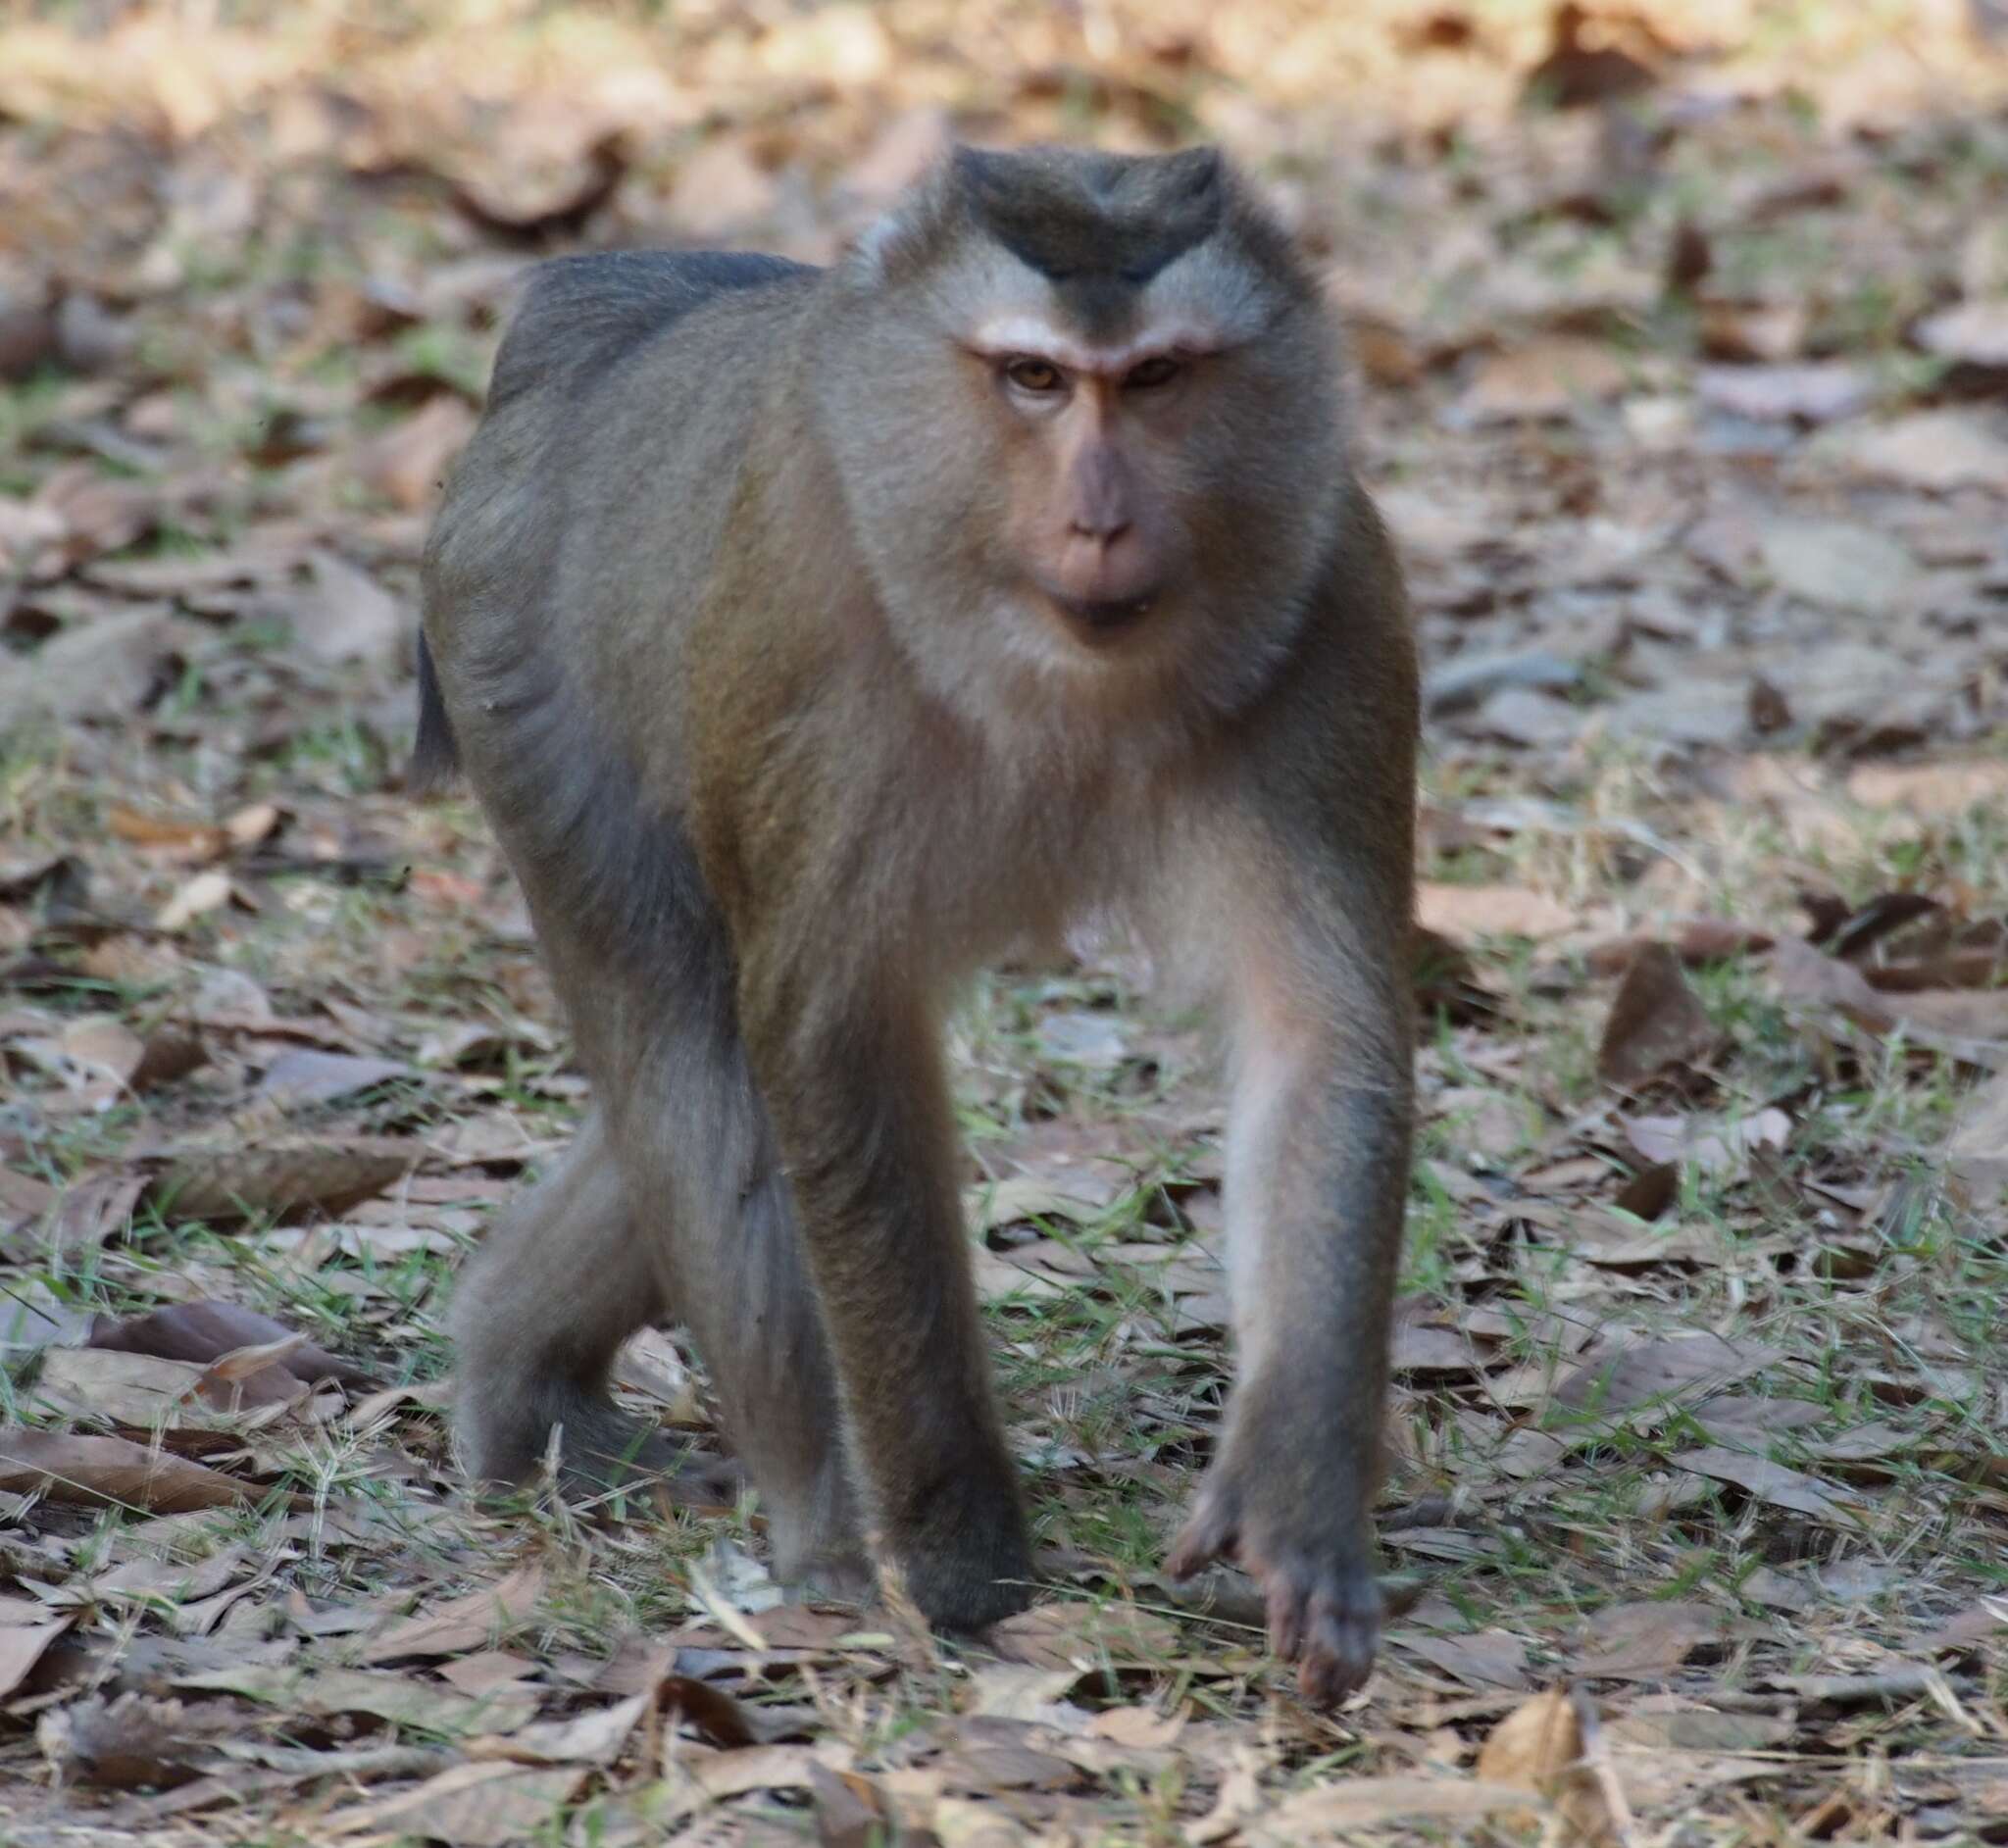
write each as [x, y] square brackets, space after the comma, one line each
[1647, 1373]
[101, 515]
[1486, 1658]
[204, 893]
[25, 1629]
[1331, 1812]
[1059, 1635]
[1579, 74]
[1841, 563]
[205, 1331]
[479, 1621]
[1816, 392]
[301, 1075]
[720, 190]
[1978, 1147]
[88, 1213]
[596, 1737]
[93, 1469]
[1930, 790]
[1142, 1729]
[1697, 942]
[1715, 1145]
[1643, 1643]
[232, 1183]
[170, 1052]
[468, 1806]
[901, 152]
[408, 463]
[139, 1392]
[174, 842]
[1547, 377]
[1971, 1027]
[1939, 450]
[345, 615]
[767, 1768]
[531, 204]
[1650, 1192]
[1656, 1022]
[107, 669]
[850, 1812]
[34, 1316]
[1774, 1483]
[1463, 913]
[133, 1742]
[1974, 331]
[1539, 1747]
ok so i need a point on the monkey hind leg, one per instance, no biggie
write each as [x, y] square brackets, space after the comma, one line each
[739, 1275]
[561, 1281]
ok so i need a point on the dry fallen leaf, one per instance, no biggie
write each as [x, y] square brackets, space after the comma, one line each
[1643, 1643]
[1656, 1022]
[424, 1707]
[27, 1628]
[230, 1183]
[1847, 565]
[479, 1805]
[1774, 1483]
[107, 669]
[204, 893]
[1541, 1747]
[478, 1620]
[169, 841]
[1974, 331]
[1815, 392]
[90, 1469]
[1716, 1145]
[408, 463]
[1060, 1635]
[345, 615]
[1466, 913]
[1939, 450]
[140, 1391]
[215, 1334]
[1969, 1028]
[1546, 378]
[1628, 1376]
[1335, 1813]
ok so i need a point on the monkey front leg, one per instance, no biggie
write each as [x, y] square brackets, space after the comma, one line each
[1317, 1176]
[860, 1113]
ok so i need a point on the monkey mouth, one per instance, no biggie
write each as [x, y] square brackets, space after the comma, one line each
[1101, 617]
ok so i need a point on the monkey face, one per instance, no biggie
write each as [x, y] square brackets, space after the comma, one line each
[1067, 385]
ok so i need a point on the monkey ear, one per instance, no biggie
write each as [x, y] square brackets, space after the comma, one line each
[897, 239]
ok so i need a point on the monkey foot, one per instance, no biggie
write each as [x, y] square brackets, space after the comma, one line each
[966, 1561]
[1323, 1606]
[600, 1450]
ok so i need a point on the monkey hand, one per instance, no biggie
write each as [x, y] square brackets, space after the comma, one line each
[1270, 1504]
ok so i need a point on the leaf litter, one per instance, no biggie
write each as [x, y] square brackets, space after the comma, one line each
[1695, 1506]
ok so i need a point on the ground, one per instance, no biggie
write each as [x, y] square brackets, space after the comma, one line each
[1681, 352]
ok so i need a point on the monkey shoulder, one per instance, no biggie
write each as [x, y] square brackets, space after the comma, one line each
[580, 317]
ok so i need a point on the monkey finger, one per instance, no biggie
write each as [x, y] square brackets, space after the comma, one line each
[1340, 1628]
[1286, 1608]
[1208, 1535]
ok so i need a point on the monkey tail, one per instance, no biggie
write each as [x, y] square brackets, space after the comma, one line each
[435, 756]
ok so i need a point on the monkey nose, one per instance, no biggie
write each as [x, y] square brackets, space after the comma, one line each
[1101, 530]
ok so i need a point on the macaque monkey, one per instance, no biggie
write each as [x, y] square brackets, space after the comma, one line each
[811, 635]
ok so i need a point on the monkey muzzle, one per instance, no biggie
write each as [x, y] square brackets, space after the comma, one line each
[1100, 619]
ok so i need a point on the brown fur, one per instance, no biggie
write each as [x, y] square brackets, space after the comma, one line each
[728, 616]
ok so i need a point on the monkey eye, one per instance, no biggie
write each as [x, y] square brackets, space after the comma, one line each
[1032, 375]
[1159, 370]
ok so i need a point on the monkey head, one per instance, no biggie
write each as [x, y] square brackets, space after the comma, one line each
[1086, 414]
